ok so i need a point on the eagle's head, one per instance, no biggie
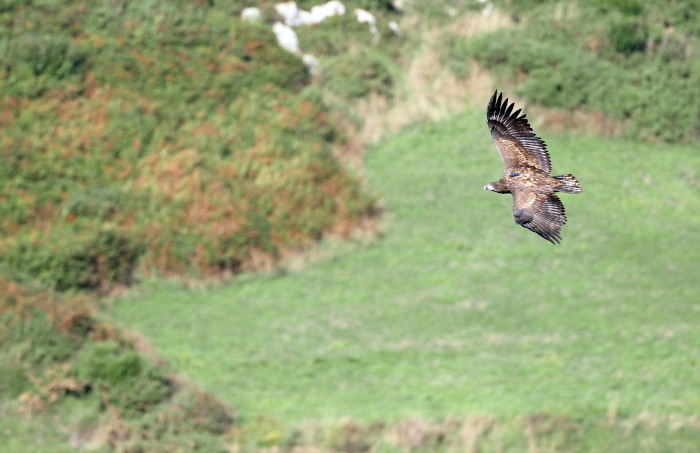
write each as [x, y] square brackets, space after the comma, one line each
[499, 186]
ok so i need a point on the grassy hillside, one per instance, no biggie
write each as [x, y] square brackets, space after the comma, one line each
[169, 138]
[458, 311]
[143, 138]
[158, 137]
[70, 382]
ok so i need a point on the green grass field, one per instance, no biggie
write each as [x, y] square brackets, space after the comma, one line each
[457, 311]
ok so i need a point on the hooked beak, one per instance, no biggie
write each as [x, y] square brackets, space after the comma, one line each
[488, 187]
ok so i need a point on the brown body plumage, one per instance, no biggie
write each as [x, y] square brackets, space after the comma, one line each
[527, 167]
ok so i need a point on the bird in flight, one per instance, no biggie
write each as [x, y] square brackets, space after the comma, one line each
[526, 171]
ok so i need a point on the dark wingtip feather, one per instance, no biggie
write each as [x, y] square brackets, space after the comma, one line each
[491, 105]
[509, 110]
[494, 105]
[500, 114]
[551, 236]
[500, 109]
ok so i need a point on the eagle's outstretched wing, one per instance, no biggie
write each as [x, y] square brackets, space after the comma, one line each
[539, 212]
[517, 144]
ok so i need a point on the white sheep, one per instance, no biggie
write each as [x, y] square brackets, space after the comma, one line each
[320, 13]
[312, 64]
[286, 37]
[365, 17]
[305, 18]
[395, 28]
[289, 12]
[251, 14]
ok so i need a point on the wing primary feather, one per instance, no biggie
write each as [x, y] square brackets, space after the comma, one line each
[527, 148]
[509, 110]
[539, 213]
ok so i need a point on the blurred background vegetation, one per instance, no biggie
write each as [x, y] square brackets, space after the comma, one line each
[634, 61]
[163, 138]
[162, 135]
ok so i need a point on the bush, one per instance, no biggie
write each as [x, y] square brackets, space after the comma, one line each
[189, 412]
[355, 76]
[33, 63]
[625, 7]
[9, 5]
[14, 380]
[184, 141]
[656, 95]
[264, 61]
[140, 393]
[36, 340]
[44, 55]
[73, 258]
[133, 384]
[334, 36]
[98, 202]
[628, 36]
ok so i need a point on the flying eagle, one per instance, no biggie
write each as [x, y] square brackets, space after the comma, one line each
[526, 171]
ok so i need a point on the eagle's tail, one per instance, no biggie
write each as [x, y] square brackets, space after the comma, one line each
[568, 184]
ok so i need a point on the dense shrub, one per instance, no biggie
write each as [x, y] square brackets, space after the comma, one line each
[355, 76]
[569, 63]
[36, 340]
[133, 384]
[166, 135]
[34, 63]
[189, 412]
[334, 36]
[628, 36]
[68, 258]
[69, 313]
[48, 353]
[43, 55]
[14, 380]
